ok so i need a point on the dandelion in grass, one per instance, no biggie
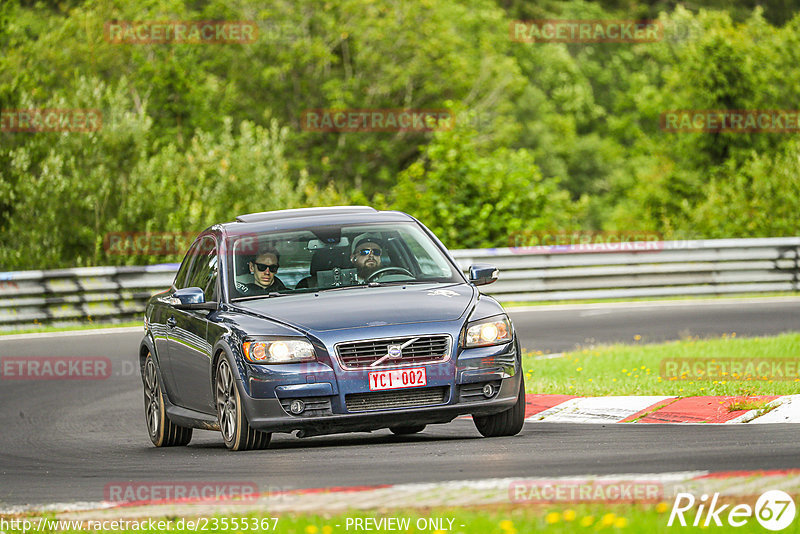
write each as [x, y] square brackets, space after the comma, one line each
[552, 518]
[312, 529]
[587, 521]
[621, 522]
[608, 519]
[662, 507]
[507, 525]
[569, 515]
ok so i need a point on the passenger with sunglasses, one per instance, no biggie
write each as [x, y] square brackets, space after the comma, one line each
[264, 268]
[366, 257]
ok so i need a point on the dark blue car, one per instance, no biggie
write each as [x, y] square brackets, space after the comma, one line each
[326, 320]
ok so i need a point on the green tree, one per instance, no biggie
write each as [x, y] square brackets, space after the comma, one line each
[474, 200]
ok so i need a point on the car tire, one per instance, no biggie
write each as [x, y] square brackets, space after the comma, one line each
[508, 423]
[163, 432]
[405, 430]
[233, 425]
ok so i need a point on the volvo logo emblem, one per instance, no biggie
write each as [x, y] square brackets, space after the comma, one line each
[394, 351]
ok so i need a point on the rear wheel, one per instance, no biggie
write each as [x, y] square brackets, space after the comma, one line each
[236, 431]
[163, 432]
[507, 423]
[405, 430]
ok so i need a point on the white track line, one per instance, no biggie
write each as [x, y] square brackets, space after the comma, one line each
[651, 304]
[788, 411]
[597, 409]
[74, 333]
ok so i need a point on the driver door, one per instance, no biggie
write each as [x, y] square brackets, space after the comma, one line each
[189, 346]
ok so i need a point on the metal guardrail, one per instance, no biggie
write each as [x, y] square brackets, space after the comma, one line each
[67, 296]
[644, 269]
[544, 273]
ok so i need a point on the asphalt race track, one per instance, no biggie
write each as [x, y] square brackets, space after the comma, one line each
[561, 328]
[65, 440]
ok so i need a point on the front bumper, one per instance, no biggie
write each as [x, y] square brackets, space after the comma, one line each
[328, 394]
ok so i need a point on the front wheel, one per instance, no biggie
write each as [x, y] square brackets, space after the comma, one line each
[508, 423]
[236, 431]
[163, 432]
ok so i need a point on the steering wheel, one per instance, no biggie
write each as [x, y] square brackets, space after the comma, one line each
[388, 270]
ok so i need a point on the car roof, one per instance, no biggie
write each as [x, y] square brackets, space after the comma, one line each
[303, 212]
[308, 217]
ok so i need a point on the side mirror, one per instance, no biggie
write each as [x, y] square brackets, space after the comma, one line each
[481, 274]
[191, 298]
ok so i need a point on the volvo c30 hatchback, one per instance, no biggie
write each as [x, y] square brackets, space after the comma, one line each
[326, 320]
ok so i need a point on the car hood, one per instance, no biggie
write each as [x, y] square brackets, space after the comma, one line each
[365, 306]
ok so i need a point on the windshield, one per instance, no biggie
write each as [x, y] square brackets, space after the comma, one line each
[333, 257]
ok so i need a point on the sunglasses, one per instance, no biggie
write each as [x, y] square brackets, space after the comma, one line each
[374, 251]
[264, 266]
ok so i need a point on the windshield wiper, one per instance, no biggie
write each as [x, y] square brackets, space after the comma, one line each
[399, 283]
[263, 296]
[338, 288]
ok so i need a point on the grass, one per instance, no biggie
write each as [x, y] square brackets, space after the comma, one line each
[512, 304]
[69, 328]
[747, 404]
[636, 369]
[504, 519]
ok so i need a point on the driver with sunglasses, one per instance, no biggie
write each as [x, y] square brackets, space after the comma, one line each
[264, 268]
[366, 257]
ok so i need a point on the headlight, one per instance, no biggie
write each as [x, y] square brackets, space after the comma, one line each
[278, 351]
[492, 331]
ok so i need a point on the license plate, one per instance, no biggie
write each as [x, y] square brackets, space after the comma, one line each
[397, 379]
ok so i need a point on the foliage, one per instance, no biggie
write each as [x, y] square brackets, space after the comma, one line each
[473, 200]
[549, 135]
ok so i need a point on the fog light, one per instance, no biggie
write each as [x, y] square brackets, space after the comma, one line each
[488, 390]
[297, 406]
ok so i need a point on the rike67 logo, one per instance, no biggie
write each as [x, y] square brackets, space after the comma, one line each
[774, 510]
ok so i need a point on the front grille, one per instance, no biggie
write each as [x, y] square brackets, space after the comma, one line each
[382, 400]
[423, 349]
